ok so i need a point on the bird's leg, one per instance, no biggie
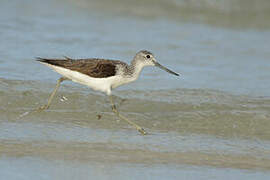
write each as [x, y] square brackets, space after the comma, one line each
[49, 100]
[44, 107]
[140, 129]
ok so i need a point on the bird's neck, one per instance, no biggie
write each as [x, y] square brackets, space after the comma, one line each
[135, 68]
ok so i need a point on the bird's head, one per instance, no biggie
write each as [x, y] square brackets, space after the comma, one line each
[146, 58]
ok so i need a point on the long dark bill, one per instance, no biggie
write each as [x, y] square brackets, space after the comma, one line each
[166, 69]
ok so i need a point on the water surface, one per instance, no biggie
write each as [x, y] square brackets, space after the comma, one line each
[212, 122]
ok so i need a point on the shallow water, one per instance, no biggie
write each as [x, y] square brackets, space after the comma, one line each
[211, 123]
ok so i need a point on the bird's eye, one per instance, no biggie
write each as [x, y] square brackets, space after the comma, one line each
[148, 56]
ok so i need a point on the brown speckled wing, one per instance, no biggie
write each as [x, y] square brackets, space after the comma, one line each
[97, 68]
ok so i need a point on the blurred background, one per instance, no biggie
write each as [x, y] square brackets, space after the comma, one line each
[212, 122]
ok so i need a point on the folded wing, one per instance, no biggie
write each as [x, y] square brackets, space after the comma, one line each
[97, 68]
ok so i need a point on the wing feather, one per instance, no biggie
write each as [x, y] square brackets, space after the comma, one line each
[97, 68]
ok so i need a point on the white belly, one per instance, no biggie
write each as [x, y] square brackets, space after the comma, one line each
[98, 84]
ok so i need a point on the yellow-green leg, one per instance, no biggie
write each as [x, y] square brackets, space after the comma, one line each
[44, 107]
[140, 129]
[49, 100]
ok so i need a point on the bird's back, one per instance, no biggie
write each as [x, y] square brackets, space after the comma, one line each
[94, 67]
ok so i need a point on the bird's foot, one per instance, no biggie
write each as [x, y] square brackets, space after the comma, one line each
[42, 108]
[142, 131]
